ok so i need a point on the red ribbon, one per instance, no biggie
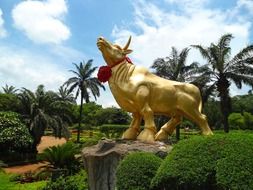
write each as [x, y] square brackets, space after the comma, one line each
[105, 72]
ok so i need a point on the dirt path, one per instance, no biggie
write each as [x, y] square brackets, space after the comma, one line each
[46, 141]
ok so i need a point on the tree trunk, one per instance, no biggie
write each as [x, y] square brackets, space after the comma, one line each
[225, 104]
[80, 119]
[178, 132]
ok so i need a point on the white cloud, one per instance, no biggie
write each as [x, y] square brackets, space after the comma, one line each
[248, 4]
[168, 29]
[3, 32]
[159, 30]
[42, 21]
[23, 69]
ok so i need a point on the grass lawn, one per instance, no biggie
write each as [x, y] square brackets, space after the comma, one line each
[6, 184]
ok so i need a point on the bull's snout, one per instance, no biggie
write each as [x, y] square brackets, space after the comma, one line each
[100, 39]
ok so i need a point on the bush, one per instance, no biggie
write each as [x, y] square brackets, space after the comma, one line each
[236, 121]
[75, 182]
[241, 121]
[62, 158]
[136, 171]
[14, 135]
[217, 162]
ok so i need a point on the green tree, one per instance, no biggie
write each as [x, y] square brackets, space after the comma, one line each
[222, 70]
[84, 83]
[174, 68]
[9, 102]
[242, 103]
[9, 89]
[213, 112]
[111, 115]
[42, 109]
[65, 95]
[14, 135]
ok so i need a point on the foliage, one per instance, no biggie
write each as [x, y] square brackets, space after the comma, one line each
[9, 102]
[14, 135]
[43, 109]
[9, 89]
[61, 157]
[89, 113]
[221, 70]
[241, 121]
[65, 95]
[217, 162]
[136, 171]
[75, 182]
[213, 113]
[248, 120]
[242, 103]
[236, 121]
[113, 131]
[7, 184]
[30, 186]
[112, 115]
[84, 83]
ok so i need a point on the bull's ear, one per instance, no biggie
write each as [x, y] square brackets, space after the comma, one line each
[127, 51]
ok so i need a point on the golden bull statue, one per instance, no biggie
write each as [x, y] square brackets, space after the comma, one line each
[144, 94]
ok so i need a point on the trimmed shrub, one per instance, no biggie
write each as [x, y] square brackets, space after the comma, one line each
[217, 162]
[75, 182]
[14, 135]
[136, 171]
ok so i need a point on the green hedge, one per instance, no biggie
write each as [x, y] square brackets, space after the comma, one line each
[14, 135]
[136, 171]
[75, 182]
[217, 162]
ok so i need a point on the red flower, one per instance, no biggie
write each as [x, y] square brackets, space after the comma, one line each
[104, 73]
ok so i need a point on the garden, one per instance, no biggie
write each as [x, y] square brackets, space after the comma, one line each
[222, 161]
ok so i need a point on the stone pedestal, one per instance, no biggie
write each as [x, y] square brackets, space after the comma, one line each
[101, 160]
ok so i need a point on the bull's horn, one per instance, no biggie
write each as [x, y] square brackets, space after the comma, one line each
[128, 43]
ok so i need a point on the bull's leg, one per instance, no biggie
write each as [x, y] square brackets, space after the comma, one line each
[148, 134]
[149, 131]
[167, 129]
[200, 120]
[134, 129]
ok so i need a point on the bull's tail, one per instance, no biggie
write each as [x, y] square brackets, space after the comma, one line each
[200, 105]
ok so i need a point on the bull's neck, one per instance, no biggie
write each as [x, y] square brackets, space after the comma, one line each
[121, 72]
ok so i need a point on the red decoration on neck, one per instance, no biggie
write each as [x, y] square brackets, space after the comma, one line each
[105, 72]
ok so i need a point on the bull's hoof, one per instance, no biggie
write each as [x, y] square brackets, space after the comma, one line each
[147, 135]
[161, 135]
[130, 134]
[207, 132]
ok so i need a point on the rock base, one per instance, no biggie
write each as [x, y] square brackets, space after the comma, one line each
[101, 160]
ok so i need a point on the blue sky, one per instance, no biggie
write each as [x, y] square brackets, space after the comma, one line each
[39, 40]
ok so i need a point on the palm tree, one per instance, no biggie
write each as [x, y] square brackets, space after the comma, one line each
[174, 68]
[9, 89]
[85, 84]
[65, 95]
[41, 110]
[222, 70]
[61, 157]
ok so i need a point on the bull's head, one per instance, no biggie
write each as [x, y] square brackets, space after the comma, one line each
[113, 53]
